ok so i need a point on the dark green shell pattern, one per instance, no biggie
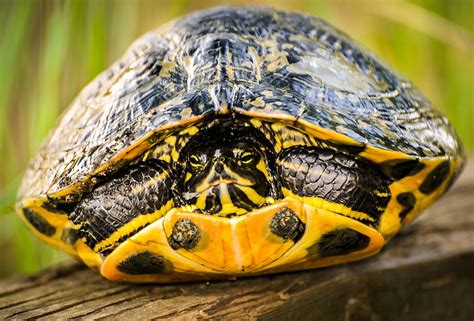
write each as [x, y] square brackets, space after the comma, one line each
[286, 65]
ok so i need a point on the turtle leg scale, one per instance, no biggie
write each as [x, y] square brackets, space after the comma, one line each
[134, 198]
[336, 178]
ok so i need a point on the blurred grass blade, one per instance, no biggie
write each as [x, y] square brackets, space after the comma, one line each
[95, 38]
[11, 44]
[425, 21]
[7, 197]
[49, 77]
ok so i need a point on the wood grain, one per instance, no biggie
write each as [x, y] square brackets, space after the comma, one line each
[425, 273]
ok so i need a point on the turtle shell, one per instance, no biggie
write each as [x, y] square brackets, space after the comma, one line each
[252, 61]
[273, 70]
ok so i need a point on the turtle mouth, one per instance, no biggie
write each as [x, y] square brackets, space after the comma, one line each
[221, 182]
[224, 197]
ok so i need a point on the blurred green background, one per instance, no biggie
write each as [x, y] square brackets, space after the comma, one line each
[49, 50]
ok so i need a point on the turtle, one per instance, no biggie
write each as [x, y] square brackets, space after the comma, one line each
[238, 141]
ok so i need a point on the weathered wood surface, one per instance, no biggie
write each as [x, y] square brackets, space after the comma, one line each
[425, 273]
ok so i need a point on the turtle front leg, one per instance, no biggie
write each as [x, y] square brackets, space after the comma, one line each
[344, 198]
[137, 196]
[334, 181]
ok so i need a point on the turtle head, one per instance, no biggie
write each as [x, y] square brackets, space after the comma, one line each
[225, 173]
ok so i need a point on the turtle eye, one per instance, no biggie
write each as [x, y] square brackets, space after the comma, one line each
[195, 161]
[247, 157]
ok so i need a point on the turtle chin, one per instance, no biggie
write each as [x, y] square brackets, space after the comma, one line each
[225, 199]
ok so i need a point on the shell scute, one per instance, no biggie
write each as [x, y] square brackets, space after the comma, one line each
[267, 63]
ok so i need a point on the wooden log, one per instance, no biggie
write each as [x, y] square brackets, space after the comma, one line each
[425, 273]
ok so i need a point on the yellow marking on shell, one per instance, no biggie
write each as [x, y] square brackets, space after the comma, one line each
[238, 253]
[239, 246]
[135, 224]
[378, 156]
[153, 239]
[321, 203]
[87, 255]
[277, 61]
[186, 112]
[166, 68]
[319, 222]
[390, 222]
[59, 222]
[252, 52]
[246, 65]
[187, 62]
[258, 102]
[326, 134]
[230, 72]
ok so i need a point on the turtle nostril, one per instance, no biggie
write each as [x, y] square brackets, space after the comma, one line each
[219, 167]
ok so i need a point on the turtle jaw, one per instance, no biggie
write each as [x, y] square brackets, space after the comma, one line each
[220, 182]
[225, 198]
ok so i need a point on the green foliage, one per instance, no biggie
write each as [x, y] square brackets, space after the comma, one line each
[49, 50]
